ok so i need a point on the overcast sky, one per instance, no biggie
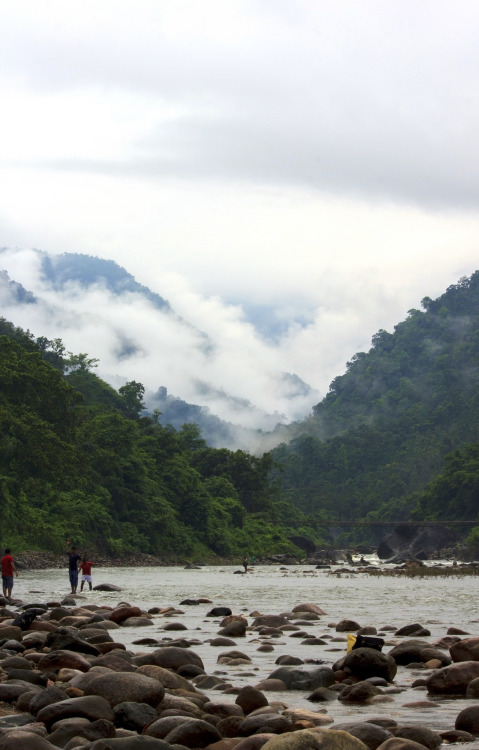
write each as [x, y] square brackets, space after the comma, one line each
[291, 176]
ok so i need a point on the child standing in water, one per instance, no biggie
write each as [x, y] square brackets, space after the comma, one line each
[85, 568]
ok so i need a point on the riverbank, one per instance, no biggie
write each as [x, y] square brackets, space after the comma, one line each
[270, 630]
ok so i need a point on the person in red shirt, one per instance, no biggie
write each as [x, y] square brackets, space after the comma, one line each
[8, 569]
[85, 567]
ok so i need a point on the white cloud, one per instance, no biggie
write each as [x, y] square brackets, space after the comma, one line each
[306, 168]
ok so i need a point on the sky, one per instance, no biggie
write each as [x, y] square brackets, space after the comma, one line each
[291, 176]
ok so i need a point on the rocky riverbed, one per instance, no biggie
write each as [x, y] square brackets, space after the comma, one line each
[68, 680]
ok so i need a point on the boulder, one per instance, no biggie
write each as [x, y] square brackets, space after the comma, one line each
[465, 650]
[317, 739]
[250, 698]
[106, 587]
[360, 692]
[371, 734]
[235, 628]
[68, 729]
[367, 662]
[56, 660]
[18, 739]
[123, 613]
[308, 607]
[303, 679]
[50, 695]
[194, 733]
[170, 657]
[160, 728]
[270, 722]
[422, 735]
[133, 715]
[468, 720]
[400, 743]
[89, 707]
[118, 687]
[408, 651]
[453, 679]
[347, 626]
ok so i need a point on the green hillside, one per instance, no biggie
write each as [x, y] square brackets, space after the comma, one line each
[381, 434]
[79, 460]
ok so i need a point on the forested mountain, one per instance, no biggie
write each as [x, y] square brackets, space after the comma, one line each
[96, 305]
[80, 460]
[396, 438]
[382, 432]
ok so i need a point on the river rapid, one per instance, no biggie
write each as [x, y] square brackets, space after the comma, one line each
[437, 603]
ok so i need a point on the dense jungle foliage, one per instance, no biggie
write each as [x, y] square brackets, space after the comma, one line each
[375, 446]
[79, 460]
[396, 438]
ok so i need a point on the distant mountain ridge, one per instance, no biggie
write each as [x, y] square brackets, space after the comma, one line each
[64, 293]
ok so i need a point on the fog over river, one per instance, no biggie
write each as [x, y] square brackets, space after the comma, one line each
[437, 603]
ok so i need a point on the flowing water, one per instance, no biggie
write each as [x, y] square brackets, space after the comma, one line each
[436, 603]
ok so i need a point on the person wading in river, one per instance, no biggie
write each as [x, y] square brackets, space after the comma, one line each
[73, 558]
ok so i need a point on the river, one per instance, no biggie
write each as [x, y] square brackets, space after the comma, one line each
[436, 603]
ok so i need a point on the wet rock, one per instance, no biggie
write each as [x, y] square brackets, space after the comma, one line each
[274, 685]
[453, 736]
[229, 726]
[255, 742]
[235, 628]
[106, 587]
[10, 692]
[453, 679]
[65, 640]
[422, 735]
[50, 695]
[250, 698]
[371, 734]
[429, 653]
[317, 739]
[322, 694]
[345, 626]
[468, 720]
[170, 657]
[120, 614]
[400, 743]
[19, 739]
[303, 679]
[360, 692]
[222, 710]
[472, 690]
[119, 687]
[272, 621]
[160, 728]
[167, 678]
[367, 662]
[308, 607]
[288, 660]
[89, 707]
[317, 718]
[63, 659]
[195, 733]
[408, 651]
[465, 650]
[409, 629]
[133, 715]
[272, 722]
[66, 730]
[219, 612]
